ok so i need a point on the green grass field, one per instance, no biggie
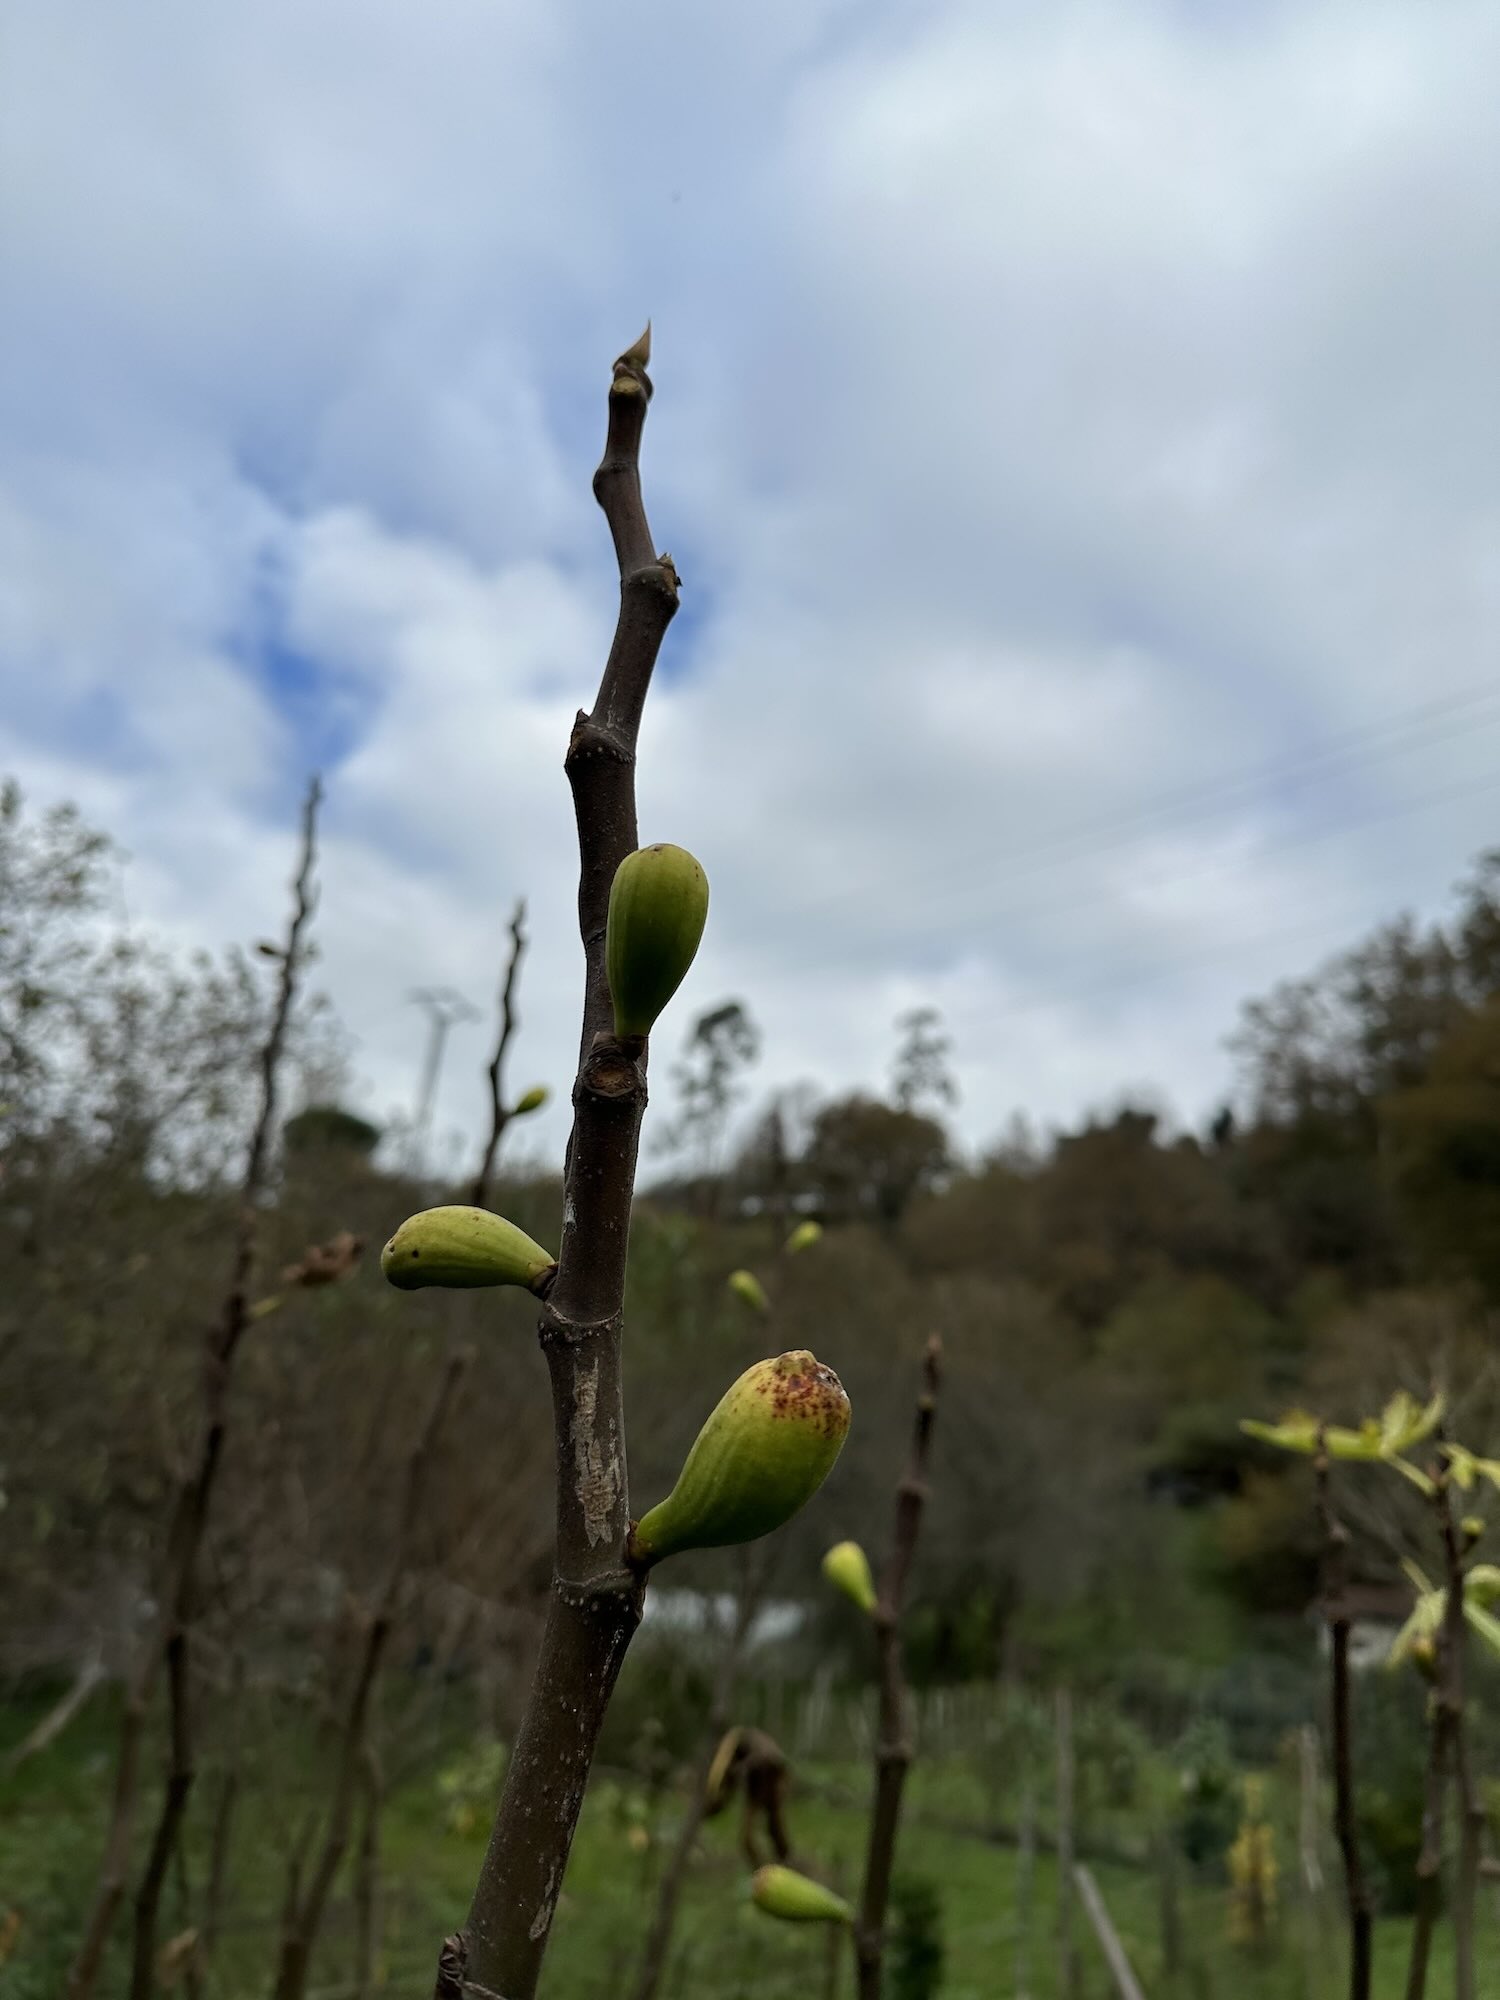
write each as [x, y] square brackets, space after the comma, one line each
[724, 1949]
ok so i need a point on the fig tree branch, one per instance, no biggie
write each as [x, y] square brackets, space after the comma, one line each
[595, 1603]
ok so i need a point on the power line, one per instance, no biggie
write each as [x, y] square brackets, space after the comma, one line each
[1071, 906]
[935, 916]
[1421, 727]
[1289, 839]
[1049, 994]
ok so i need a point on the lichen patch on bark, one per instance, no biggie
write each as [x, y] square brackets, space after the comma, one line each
[596, 1459]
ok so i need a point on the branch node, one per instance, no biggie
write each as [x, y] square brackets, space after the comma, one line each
[553, 1330]
[591, 738]
[656, 578]
[605, 1592]
[612, 1069]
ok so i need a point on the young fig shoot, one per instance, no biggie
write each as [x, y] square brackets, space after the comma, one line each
[803, 1237]
[460, 1247]
[748, 1289]
[658, 905]
[759, 1459]
[534, 1099]
[847, 1568]
[796, 1899]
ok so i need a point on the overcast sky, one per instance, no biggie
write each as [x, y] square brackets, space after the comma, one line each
[1077, 427]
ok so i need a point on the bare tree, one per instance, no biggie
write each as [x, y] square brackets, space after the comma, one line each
[166, 1647]
[920, 1075]
[724, 1042]
[502, 1113]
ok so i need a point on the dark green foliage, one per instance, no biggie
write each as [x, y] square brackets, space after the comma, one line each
[915, 1957]
[50, 1900]
[329, 1127]
[1209, 1812]
[1391, 1716]
[867, 1160]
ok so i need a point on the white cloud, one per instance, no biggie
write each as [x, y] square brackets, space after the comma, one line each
[1063, 412]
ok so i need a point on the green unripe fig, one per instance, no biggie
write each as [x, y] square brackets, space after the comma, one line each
[462, 1247]
[797, 1899]
[748, 1290]
[534, 1099]
[658, 904]
[847, 1568]
[762, 1455]
[803, 1237]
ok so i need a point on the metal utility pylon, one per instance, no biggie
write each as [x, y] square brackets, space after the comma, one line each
[444, 1007]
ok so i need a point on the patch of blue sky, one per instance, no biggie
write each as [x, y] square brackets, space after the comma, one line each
[93, 726]
[321, 703]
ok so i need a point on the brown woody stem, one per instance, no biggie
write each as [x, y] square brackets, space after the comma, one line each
[596, 1597]
[500, 1113]
[1336, 1610]
[893, 1749]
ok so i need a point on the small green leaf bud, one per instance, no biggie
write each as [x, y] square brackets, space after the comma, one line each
[847, 1568]
[803, 1237]
[534, 1099]
[759, 1459]
[748, 1290]
[460, 1247]
[782, 1892]
[1472, 1528]
[658, 905]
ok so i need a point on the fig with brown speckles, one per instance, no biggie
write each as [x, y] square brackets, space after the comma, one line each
[763, 1453]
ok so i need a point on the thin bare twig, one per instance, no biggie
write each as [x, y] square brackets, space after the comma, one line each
[596, 1598]
[893, 1749]
[90, 1676]
[367, 1880]
[220, 1841]
[166, 1646]
[1336, 1611]
[303, 1913]
[500, 1112]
